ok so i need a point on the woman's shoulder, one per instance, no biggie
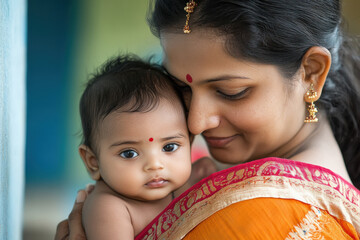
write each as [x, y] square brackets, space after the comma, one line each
[272, 218]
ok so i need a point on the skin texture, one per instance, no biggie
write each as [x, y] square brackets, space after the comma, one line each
[135, 176]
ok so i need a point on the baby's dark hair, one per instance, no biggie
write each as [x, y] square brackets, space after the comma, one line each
[125, 82]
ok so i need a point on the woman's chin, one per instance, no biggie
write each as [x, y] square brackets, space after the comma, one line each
[227, 156]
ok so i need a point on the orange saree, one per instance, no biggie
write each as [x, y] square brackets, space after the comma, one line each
[270, 198]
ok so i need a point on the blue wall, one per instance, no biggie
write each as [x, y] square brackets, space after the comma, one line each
[50, 33]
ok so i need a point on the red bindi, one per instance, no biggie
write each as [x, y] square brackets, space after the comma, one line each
[151, 139]
[189, 78]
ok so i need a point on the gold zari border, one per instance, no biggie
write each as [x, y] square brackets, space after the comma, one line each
[271, 177]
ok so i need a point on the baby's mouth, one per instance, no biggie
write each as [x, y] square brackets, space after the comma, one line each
[156, 183]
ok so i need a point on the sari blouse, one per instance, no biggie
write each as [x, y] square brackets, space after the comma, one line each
[270, 198]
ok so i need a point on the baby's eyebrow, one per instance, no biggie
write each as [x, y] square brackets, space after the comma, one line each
[123, 143]
[179, 135]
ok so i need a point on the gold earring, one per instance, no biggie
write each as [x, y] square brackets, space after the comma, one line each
[309, 97]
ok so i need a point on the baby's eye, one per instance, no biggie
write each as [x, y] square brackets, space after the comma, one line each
[171, 147]
[129, 154]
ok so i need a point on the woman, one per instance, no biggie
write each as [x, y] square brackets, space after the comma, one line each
[264, 79]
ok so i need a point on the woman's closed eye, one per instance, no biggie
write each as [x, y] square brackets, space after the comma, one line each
[171, 147]
[129, 154]
[234, 96]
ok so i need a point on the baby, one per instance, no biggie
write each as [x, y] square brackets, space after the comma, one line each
[135, 145]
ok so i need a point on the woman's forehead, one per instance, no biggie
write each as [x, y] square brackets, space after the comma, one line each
[183, 50]
[203, 63]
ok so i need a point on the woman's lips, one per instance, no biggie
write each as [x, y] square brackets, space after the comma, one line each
[156, 183]
[219, 142]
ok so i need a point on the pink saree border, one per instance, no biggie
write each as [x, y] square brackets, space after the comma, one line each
[269, 177]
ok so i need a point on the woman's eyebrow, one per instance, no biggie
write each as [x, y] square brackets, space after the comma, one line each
[215, 79]
[224, 77]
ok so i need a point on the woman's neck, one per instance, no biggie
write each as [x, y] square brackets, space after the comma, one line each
[320, 148]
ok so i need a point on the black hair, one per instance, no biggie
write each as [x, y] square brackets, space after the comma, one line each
[279, 32]
[124, 82]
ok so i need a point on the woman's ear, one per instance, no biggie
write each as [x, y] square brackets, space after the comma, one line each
[316, 65]
[90, 160]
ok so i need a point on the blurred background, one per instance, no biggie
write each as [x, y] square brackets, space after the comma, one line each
[66, 41]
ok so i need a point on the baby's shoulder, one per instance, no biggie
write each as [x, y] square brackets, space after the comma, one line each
[101, 203]
[109, 210]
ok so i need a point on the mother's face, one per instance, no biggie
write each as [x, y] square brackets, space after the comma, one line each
[244, 110]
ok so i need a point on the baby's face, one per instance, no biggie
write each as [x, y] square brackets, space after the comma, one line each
[145, 156]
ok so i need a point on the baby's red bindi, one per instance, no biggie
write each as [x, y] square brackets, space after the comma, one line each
[151, 139]
[189, 78]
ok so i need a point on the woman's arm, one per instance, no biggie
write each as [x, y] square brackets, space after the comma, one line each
[71, 228]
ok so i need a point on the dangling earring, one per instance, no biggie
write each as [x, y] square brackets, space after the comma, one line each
[309, 97]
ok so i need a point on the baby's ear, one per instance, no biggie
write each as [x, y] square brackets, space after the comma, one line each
[90, 161]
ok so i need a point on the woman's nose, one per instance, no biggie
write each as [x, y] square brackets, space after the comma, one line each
[202, 115]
